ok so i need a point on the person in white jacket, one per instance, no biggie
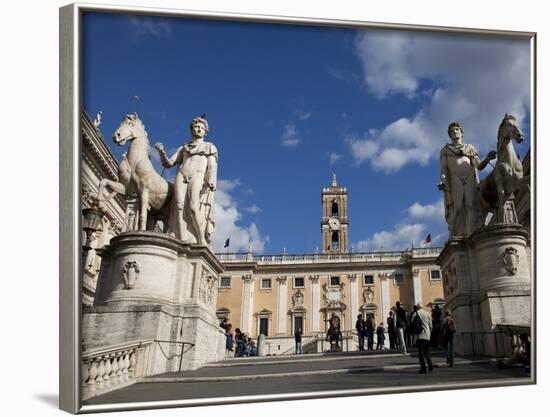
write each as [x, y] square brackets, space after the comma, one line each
[423, 340]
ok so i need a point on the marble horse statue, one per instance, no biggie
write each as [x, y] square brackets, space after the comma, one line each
[334, 335]
[498, 188]
[138, 176]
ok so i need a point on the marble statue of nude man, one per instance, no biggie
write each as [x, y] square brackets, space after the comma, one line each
[460, 164]
[192, 218]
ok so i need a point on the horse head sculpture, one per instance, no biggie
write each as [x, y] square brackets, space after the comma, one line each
[137, 176]
[509, 130]
[130, 128]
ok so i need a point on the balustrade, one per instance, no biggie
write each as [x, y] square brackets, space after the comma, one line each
[330, 257]
[113, 367]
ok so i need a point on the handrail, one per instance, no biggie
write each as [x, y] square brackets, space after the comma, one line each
[180, 355]
[515, 328]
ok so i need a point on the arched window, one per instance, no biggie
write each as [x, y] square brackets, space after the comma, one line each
[334, 209]
[335, 240]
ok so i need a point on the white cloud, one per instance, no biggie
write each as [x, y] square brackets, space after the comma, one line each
[303, 115]
[334, 157]
[363, 149]
[343, 75]
[420, 220]
[227, 218]
[400, 238]
[428, 211]
[475, 81]
[290, 137]
[253, 209]
[228, 185]
[155, 26]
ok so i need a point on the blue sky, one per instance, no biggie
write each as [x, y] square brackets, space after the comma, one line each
[288, 104]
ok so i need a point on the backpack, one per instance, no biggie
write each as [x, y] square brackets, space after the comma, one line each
[416, 324]
[450, 326]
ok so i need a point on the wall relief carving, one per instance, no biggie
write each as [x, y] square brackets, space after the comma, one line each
[510, 257]
[130, 273]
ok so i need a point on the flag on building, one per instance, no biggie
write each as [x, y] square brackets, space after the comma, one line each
[226, 243]
[428, 239]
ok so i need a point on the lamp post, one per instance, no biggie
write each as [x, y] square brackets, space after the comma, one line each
[91, 223]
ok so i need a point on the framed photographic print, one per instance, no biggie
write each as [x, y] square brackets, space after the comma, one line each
[259, 208]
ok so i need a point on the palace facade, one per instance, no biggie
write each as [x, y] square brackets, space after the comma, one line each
[277, 294]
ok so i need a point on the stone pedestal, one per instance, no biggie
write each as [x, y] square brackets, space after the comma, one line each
[155, 289]
[487, 282]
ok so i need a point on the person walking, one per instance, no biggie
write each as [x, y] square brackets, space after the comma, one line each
[401, 324]
[436, 339]
[448, 330]
[298, 340]
[369, 330]
[380, 337]
[392, 332]
[422, 325]
[360, 327]
[414, 335]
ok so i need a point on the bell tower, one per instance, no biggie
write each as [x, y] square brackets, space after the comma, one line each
[334, 220]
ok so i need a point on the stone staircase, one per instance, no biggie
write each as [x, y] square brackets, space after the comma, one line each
[313, 375]
[282, 366]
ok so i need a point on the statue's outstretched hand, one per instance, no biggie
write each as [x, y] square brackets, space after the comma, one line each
[159, 146]
[491, 155]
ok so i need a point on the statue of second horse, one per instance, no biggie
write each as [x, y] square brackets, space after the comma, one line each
[498, 188]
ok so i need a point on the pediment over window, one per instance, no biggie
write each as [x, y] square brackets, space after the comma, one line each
[264, 313]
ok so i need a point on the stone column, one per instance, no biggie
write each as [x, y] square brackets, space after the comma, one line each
[282, 295]
[247, 299]
[353, 297]
[344, 214]
[344, 239]
[315, 303]
[417, 286]
[385, 294]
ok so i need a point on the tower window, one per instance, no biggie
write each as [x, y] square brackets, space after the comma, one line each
[335, 240]
[334, 208]
[334, 281]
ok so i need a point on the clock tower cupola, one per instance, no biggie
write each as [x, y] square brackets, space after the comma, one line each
[334, 220]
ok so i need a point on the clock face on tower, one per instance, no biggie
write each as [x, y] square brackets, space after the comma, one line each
[334, 223]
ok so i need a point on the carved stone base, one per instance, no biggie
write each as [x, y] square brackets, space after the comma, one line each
[487, 282]
[154, 287]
